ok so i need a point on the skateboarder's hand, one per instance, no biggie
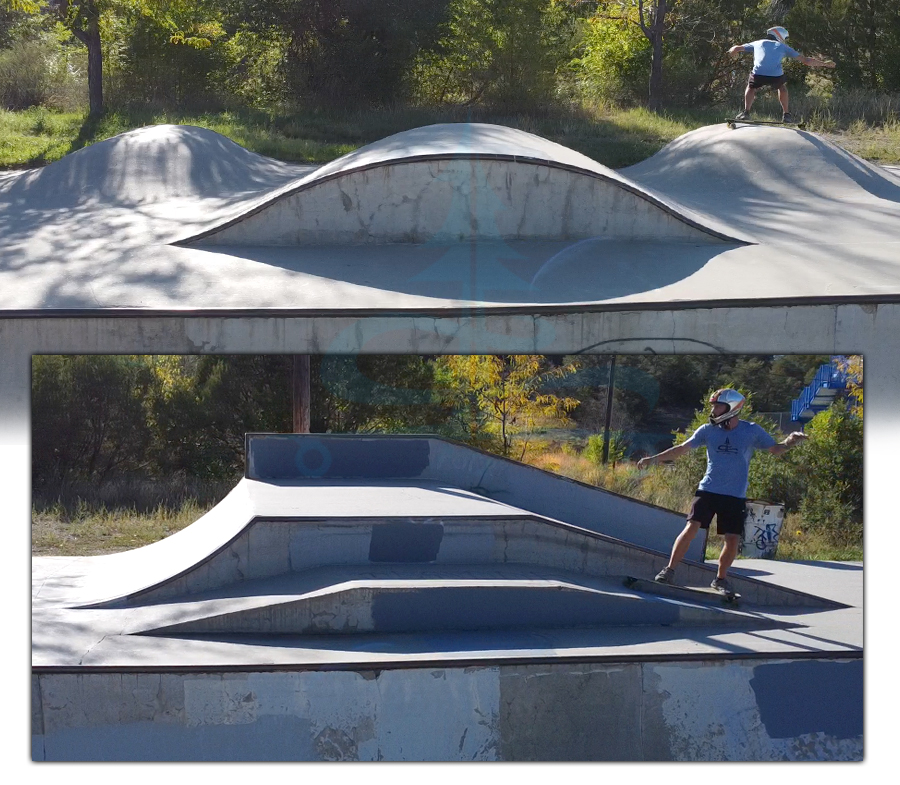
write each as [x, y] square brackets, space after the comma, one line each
[796, 436]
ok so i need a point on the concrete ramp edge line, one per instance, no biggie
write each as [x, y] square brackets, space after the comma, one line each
[669, 206]
[737, 580]
[461, 662]
[456, 311]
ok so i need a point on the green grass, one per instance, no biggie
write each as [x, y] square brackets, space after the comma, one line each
[798, 541]
[614, 137]
[89, 532]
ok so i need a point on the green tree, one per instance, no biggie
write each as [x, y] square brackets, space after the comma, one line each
[861, 35]
[506, 52]
[342, 51]
[496, 398]
[374, 393]
[612, 60]
[832, 459]
[88, 418]
[852, 368]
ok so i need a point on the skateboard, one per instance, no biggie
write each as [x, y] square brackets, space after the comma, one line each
[674, 589]
[732, 123]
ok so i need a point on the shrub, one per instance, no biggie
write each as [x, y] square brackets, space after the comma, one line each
[618, 447]
[832, 460]
[24, 75]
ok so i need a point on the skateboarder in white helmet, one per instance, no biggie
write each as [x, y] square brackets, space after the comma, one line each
[730, 443]
[767, 70]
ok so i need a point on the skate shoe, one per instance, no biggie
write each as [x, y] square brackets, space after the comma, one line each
[787, 117]
[745, 115]
[666, 575]
[720, 584]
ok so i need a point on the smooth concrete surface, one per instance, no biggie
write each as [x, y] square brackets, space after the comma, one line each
[97, 232]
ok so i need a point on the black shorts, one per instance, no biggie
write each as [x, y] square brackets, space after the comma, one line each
[729, 512]
[758, 80]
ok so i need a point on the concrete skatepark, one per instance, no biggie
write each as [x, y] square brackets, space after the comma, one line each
[319, 609]
[449, 239]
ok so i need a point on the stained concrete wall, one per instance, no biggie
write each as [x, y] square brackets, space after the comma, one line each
[456, 199]
[740, 710]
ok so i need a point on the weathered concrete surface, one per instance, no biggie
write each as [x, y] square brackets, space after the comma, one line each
[627, 711]
[447, 201]
[95, 232]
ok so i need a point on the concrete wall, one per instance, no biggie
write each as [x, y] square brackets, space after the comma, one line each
[450, 200]
[373, 458]
[740, 710]
[268, 548]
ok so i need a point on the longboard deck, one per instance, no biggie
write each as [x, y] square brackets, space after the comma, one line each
[675, 590]
[732, 123]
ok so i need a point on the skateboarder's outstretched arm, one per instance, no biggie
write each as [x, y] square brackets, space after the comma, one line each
[815, 62]
[792, 439]
[666, 455]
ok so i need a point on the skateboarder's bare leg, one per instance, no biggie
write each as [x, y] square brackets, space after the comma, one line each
[683, 542]
[783, 98]
[749, 96]
[729, 553]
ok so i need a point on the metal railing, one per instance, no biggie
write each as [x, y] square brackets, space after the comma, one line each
[820, 393]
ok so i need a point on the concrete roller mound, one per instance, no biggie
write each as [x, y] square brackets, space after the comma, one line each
[435, 221]
[777, 185]
[459, 182]
[149, 165]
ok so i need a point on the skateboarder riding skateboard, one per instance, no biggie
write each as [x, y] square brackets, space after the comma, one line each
[730, 443]
[767, 71]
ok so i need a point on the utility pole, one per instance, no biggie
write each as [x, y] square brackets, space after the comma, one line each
[609, 407]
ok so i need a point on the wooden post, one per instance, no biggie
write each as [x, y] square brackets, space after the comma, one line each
[300, 392]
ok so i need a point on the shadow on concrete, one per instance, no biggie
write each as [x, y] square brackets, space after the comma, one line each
[486, 272]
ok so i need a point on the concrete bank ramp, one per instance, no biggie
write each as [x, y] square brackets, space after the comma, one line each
[400, 598]
[369, 503]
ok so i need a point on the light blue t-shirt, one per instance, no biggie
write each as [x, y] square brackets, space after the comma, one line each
[728, 455]
[767, 56]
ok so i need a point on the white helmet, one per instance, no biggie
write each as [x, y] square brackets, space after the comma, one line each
[778, 32]
[732, 399]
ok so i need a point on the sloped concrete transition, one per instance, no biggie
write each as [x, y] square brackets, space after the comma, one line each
[437, 576]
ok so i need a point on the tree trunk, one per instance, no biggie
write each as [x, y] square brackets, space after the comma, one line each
[300, 388]
[657, 29]
[89, 35]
